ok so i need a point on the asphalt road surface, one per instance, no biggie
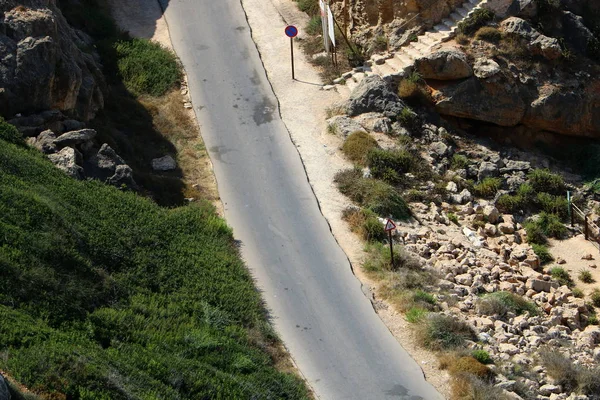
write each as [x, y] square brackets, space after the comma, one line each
[338, 342]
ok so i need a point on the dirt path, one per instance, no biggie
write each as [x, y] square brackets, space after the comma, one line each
[574, 252]
[320, 154]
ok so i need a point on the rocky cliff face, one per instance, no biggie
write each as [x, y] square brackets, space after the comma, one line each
[45, 64]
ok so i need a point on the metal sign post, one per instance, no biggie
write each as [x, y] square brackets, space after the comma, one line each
[389, 227]
[291, 31]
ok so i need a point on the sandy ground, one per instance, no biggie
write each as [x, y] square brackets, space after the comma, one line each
[303, 106]
[572, 250]
[142, 19]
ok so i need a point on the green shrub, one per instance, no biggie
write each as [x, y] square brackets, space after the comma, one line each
[500, 303]
[578, 293]
[489, 34]
[482, 356]
[459, 161]
[389, 165]
[311, 7]
[416, 314]
[314, 26]
[551, 225]
[542, 180]
[593, 319]
[442, 332]
[453, 218]
[373, 229]
[476, 20]
[471, 366]
[509, 204]
[407, 117]
[380, 43]
[562, 276]
[468, 386]
[488, 187]
[10, 134]
[379, 260]
[550, 204]
[112, 296]
[146, 67]
[525, 192]
[585, 276]
[374, 194]
[357, 146]
[572, 377]
[420, 296]
[595, 298]
[542, 252]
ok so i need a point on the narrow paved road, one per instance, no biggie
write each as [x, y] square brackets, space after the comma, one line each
[338, 342]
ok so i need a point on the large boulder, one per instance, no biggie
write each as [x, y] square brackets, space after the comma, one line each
[373, 94]
[444, 65]
[67, 160]
[166, 163]
[497, 100]
[343, 126]
[536, 42]
[75, 138]
[576, 32]
[123, 177]
[42, 65]
[103, 164]
[502, 8]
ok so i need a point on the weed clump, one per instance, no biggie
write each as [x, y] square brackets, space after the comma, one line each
[443, 332]
[562, 276]
[489, 34]
[10, 134]
[373, 194]
[357, 146]
[542, 180]
[501, 303]
[476, 20]
[365, 223]
[595, 297]
[147, 67]
[570, 376]
[585, 276]
[542, 252]
[488, 187]
[482, 356]
[389, 165]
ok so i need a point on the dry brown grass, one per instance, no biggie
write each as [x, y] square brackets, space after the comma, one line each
[178, 126]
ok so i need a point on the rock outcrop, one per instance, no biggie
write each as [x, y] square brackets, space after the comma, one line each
[373, 94]
[42, 65]
[444, 65]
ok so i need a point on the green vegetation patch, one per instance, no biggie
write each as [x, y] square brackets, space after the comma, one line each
[489, 34]
[542, 252]
[390, 165]
[488, 187]
[374, 194]
[110, 296]
[476, 20]
[501, 303]
[357, 146]
[562, 276]
[443, 332]
[146, 67]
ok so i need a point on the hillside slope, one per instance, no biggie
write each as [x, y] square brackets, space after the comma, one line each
[105, 295]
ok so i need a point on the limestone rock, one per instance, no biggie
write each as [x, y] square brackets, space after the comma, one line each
[444, 65]
[373, 94]
[540, 286]
[547, 390]
[487, 170]
[375, 122]
[166, 163]
[486, 68]
[75, 138]
[67, 160]
[45, 142]
[464, 279]
[123, 176]
[491, 214]
[500, 8]
[42, 65]
[461, 198]
[344, 126]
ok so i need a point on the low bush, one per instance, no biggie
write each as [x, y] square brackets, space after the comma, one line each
[408, 118]
[562, 276]
[585, 276]
[476, 20]
[482, 356]
[146, 67]
[542, 180]
[535, 234]
[466, 386]
[551, 204]
[380, 43]
[389, 165]
[10, 134]
[410, 87]
[357, 146]
[379, 260]
[365, 223]
[543, 226]
[443, 332]
[542, 252]
[501, 303]
[488, 187]
[570, 376]
[311, 7]
[578, 293]
[374, 194]
[416, 314]
[509, 204]
[470, 365]
[452, 218]
[459, 161]
[595, 298]
[489, 34]
[314, 26]
[420, 296]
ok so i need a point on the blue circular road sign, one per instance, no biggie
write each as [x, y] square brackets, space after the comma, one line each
[291, 31]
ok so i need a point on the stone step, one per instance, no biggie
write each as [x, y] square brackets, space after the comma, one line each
[456, 17]
[441, 28]
[405, 58]
[462, 11]
[427, 40]
[383, 70]
[395, 64]
[468, 6]
[420, 47]
[351, 84]
[448, 23]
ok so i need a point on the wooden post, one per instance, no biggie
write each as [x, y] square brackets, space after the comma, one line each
[586, 227]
